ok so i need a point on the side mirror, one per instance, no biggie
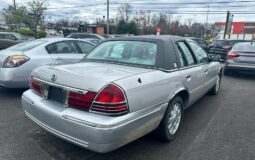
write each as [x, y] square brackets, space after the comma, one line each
[214, 58]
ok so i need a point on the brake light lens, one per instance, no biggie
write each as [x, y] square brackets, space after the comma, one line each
[15, 61]
[111, 100]
[232, 55]
[81, 100]
[35, 85]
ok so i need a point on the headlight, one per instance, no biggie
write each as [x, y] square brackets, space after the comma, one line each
[15, 61]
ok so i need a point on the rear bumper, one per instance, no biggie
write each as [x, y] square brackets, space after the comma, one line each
[9, 78]
[95, 132]
[240, 67]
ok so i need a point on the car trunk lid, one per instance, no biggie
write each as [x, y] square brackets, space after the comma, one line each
[245, 57]
[89, 76]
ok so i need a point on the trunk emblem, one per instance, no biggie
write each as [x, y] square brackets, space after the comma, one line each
[53, 78]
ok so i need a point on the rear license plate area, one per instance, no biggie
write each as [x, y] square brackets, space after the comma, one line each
[57, 94]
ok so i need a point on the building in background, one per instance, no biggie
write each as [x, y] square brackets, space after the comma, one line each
[240, 30]
[2, 21]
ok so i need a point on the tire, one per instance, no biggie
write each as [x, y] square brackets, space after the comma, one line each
[215, 90]
[162, 132]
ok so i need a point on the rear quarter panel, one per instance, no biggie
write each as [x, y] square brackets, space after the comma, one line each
[156, 88]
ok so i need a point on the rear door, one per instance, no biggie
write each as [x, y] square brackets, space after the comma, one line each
[191, 71]
[64, 52]
[209, 72]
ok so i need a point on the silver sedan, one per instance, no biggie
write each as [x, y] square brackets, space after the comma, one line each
[17, 62]
[122, 90]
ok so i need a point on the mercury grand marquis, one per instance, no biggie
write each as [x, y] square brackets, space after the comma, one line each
[123, 89]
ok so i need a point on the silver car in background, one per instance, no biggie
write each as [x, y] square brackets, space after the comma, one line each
[123, 89]
[241, 58]
[18, 61]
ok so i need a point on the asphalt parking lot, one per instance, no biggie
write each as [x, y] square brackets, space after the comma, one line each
[216, 127]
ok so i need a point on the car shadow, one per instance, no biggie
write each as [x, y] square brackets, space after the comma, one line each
[242, 75]
[11, 92]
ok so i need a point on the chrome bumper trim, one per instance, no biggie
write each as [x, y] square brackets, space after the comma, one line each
[57, 133]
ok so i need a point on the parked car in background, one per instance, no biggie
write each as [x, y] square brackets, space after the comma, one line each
[18, 61]
[241, 58]
[94, 38]
[201, 42]
[5, 43]
[123, 89]
[12, 36]
[222, 47]
[107, 36]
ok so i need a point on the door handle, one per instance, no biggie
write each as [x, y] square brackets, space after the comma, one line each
[188, 76]
[59, 58]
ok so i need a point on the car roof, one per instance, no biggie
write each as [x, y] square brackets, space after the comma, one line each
[149, 37]
[52, 40]
[8, 33]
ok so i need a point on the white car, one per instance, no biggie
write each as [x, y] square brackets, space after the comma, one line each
[18, 61]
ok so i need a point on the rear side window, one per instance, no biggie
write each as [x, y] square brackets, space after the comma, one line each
[186, 54]
[2, 36]
[199, 52]
[63, 47]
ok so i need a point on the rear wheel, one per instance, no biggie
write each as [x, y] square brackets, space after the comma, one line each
[215, 90]
[171, 121]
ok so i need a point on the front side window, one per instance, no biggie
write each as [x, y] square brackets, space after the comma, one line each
[131, 52]
[199, 53]
[85, 47]
[186, 54]
[64, 47]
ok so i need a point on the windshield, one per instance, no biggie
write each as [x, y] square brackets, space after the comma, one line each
[132, 52]
[245, 47]
[26, 45]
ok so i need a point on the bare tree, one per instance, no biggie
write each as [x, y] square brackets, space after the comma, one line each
[124, 11]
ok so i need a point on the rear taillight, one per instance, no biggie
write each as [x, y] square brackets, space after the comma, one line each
[81, 100]
[232, 55]
[111, 100]
[35, 85]
[15, 61]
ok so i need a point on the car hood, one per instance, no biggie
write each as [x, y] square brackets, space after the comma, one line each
[91, 76]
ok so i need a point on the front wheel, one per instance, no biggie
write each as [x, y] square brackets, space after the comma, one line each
[171, 121]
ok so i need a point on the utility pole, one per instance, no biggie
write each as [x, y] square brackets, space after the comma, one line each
[14, 4]
[206, 24]
[107, 17]
[226, 25]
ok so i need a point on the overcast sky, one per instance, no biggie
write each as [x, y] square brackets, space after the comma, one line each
[68, 9]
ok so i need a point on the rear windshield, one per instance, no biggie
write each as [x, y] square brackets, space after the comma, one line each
[26, 45]
[245, 47]
[130, 52]
[221, 43]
